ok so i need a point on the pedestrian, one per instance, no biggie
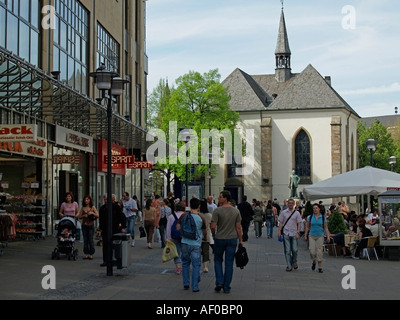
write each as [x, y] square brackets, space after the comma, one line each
[246, 212]
[118, 225]
[258, 219]
[226, 228]
[211, 205]
[316, 230]
[139, 212]
[175, 215]
[130, 210]
[69, 208]
[270, 214]
[205, 244]
[289, 228]
[191, 249]
[88, 214]
[150, 221]
[165, 212]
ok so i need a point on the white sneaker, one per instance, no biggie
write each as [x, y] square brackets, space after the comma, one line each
[133, 243]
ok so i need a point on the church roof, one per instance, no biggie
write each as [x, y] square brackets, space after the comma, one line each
[307, 90]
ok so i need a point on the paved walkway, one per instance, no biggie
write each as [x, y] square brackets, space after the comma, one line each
[147, 278]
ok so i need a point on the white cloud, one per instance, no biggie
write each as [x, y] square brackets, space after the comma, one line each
[394, 87]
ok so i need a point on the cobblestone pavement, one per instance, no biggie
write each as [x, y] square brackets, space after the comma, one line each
[147, 278]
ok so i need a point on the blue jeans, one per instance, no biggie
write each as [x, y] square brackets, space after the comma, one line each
[191, 254]
[130, 226]
[290, 247]
[178, 245]
[162, 230]
[270, 226]
[227, 246]
[88, 243]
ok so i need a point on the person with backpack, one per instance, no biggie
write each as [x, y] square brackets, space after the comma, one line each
[193, 230]
[174, 235]
[316, 229]
[270, 214]
[226, 229]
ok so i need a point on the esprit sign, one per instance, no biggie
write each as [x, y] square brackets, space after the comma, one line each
[120, 159]
[18, 132]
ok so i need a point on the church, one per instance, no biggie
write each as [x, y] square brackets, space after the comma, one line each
[300, 123]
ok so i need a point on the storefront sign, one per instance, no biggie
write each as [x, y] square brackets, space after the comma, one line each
[116, 150]
[37, 149]
[67, 159]
[73, 139]
[18, 132]
[140, 165]
[120, 159]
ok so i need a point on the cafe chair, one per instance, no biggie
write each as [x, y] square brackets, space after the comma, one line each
[330, 246]
[371, 245]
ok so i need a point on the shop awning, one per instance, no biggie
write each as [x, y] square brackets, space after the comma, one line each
[28, 95]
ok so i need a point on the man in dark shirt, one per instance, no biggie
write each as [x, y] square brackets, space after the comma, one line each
[118, 224]
[246, 212]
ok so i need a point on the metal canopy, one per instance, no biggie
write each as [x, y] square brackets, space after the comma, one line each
[28, 95]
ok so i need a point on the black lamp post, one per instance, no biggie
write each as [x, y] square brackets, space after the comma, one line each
[107, 81]
[185, 133]
[392, 162]
[371, 145]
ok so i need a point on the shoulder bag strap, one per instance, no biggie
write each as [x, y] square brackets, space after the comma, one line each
[288, 220]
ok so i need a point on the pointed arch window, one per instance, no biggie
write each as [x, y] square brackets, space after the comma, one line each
[303, 157]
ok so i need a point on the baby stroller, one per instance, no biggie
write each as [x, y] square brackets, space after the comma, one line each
[66, 235]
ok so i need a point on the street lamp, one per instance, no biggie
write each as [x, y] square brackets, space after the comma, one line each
[186, 135]
[371, 145]
[392, 162]
[108, 82]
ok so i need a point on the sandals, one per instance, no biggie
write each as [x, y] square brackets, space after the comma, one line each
[320, 270]
[288, 269]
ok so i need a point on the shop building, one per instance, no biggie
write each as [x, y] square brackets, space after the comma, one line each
[53, 122]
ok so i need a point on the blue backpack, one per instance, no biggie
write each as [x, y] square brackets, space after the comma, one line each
[188, 227]
[175, 234]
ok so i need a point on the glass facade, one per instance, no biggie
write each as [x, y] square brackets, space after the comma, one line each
[19, 28]
[108, 50]
[71, 44]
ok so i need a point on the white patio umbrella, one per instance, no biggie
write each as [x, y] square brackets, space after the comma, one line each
[363, 181]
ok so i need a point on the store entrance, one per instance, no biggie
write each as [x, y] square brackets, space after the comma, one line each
[68, 183]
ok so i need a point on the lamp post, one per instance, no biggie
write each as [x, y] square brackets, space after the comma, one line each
[371, 145]
[110, 83]
[210, 155]
[186, 135]
[392, 162]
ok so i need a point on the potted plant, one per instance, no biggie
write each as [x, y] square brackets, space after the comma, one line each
[336, 225]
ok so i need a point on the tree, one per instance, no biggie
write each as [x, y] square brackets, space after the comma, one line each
[386, 146]
[199, 102]
[336, 223]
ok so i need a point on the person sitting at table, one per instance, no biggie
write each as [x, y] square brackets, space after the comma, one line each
[362, 242]
[353, 226]
[338, 238]
[373, 217]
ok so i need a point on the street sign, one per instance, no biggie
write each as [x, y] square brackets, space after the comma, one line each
[120, 159]
[140, 165]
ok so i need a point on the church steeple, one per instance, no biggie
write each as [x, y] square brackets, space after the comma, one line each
[282, 53]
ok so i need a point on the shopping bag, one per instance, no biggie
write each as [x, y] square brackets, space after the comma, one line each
[169, 252]
[142, 232]
[156, 237]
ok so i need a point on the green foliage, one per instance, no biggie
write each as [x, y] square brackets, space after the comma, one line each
[336, 223]
[198, 102]
[385, 148]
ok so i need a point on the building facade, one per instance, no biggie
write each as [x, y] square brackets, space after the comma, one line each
[47, 50]
[300, 123]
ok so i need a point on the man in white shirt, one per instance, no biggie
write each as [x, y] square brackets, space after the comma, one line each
[130, 209]
[210, 204]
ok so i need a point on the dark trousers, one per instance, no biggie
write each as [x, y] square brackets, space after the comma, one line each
[245, 230]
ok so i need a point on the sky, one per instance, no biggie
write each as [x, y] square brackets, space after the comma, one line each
[356, 42]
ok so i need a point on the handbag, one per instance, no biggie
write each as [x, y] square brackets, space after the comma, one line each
[142, 232]
[169, 252]
[241, 257]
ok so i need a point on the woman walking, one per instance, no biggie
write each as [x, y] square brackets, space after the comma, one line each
[88, 214]
[318, 228]
[150, 221]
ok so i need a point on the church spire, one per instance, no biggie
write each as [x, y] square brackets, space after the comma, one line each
[282, 52]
